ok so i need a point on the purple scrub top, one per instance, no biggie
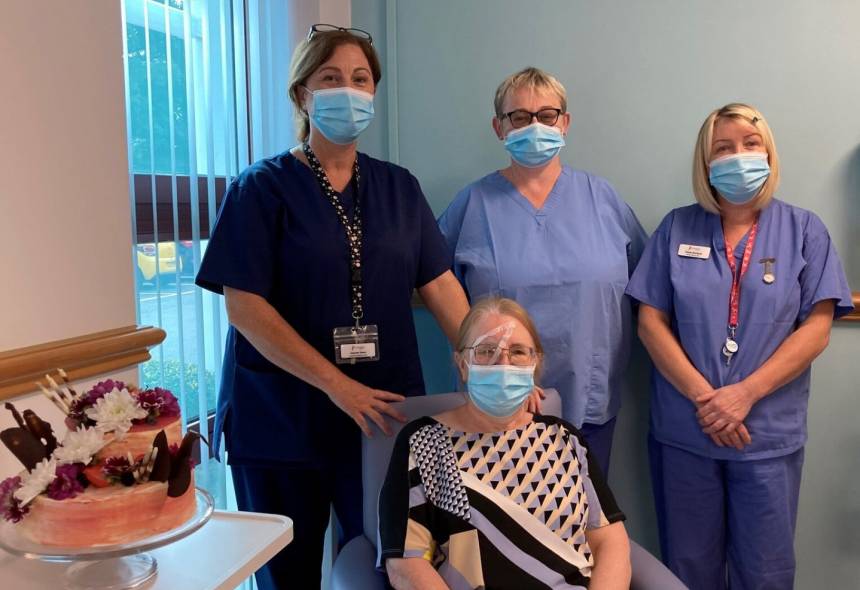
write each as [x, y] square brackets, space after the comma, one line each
[695, 294]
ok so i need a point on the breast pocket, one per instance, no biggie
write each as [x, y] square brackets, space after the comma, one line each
[698, 285]
[778, 301]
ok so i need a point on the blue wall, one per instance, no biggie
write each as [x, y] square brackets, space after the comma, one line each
[641, 76]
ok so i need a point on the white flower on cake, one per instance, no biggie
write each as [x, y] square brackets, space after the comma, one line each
[79, 446]
[35, 482]
[115, 411]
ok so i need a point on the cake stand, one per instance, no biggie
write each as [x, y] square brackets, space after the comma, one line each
[107, 567]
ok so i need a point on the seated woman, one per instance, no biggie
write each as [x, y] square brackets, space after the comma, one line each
[489, 495]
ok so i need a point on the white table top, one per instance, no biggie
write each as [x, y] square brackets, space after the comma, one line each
[225, 551]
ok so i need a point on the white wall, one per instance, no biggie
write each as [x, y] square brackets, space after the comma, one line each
[641, 76]
[65, 222]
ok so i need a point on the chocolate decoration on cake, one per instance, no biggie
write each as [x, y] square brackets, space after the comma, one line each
[28, 449]
[41, 430]
[180, 468]
[161, 469]
[15, 414]
[21, 442]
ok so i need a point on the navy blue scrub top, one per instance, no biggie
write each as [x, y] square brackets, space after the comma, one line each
[278, 237]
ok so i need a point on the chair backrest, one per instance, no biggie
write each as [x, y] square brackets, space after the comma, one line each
[376, 451]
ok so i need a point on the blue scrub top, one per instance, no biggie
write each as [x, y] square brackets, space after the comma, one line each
[278, 237]
[695, 294]
[567, 263]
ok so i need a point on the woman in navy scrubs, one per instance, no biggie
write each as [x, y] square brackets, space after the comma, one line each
[317, 251]
[738, 294]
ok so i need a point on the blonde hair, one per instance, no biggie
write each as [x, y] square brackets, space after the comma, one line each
[533, 79]
[503, 307]
[705, 194]
[309, 55]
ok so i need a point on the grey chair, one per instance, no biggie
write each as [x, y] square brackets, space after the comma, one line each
[354, 566]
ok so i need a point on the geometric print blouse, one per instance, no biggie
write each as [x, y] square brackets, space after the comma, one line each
[494, 510]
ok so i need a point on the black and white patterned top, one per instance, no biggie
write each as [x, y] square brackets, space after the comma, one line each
[495, 510]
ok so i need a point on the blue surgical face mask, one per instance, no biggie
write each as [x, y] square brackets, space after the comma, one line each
[499, 390]
[534, 145]
[739, 177]
[341, 114]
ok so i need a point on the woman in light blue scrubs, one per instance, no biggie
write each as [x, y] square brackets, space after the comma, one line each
[737, 296]
[561, 243]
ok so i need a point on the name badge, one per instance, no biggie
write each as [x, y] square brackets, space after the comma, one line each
[356, 344]
[691, 251]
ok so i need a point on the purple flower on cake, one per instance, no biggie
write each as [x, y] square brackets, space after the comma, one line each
[77, 411]
[79, 446]
[10, 506]
[35, 482]
[157, 402]
[120, 470]
[115, 412]
[66, 482]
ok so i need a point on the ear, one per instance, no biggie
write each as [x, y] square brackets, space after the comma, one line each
[497, 128]
[305, 97]
[462, 366]
[565, 123]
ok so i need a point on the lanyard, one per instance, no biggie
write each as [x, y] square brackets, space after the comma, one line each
[353, 228]
[735, 294]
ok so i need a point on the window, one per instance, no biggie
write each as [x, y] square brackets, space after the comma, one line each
[187, 138]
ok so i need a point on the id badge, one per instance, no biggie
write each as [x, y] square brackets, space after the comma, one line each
[356, 344]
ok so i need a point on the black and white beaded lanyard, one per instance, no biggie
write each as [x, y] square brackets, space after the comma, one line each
[359, 342]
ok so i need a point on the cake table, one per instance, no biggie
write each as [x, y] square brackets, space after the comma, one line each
[227, 549]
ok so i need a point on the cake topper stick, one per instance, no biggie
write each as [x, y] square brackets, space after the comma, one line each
[63, 406]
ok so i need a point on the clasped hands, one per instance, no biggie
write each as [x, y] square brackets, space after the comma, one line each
[721, 413]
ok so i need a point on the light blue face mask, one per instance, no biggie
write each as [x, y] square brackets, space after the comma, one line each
[739, 177]
[499, 390]
[534, 145]
[341, 114]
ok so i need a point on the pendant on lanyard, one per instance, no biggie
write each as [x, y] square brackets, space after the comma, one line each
[356, 343]
[731, 347]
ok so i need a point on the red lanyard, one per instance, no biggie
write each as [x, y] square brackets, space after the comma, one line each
[735, 295]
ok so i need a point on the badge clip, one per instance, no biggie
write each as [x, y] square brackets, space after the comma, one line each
[767, 276]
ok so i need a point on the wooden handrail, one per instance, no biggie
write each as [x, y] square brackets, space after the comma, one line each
[854, 316]
[81, 357]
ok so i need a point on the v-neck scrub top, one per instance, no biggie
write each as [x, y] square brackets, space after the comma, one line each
[278, 237]
[694, 292]
[568, 264]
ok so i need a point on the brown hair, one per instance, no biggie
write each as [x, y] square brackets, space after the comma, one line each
[705, 194]
[498, 306]
[310, 55]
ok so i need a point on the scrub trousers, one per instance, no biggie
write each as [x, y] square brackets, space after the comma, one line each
[304, 494]
[599, 439]
[726, 524]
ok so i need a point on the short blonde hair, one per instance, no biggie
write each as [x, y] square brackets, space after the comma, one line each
[705, 194]
[533, 79]
[310, 55]
[503, 307]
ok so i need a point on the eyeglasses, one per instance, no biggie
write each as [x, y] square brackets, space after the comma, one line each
[521, 117]
[518, 354]
[325, 28]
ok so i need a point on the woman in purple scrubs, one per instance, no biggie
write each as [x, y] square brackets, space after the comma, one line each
[737, 296]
